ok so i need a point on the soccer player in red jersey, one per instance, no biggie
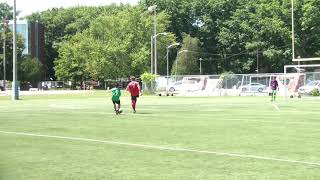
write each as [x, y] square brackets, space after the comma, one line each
[134, 89]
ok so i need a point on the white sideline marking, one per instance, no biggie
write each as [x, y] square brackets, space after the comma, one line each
[167, 148]
[276, 107]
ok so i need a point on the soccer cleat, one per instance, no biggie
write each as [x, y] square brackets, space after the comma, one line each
[134, 111]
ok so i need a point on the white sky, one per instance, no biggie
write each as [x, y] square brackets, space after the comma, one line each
[29, 6]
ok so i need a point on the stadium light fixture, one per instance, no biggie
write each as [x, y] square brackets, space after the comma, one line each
[200, 66]
[182, 51]
[163, 33]
[152, 8]
[168, 48]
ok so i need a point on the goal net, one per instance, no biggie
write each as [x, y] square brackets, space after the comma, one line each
[302, 81]
[215, 85]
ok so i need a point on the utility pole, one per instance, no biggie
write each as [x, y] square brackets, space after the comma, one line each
[168, 49]
[5, 25]
[200, 65]
[292, 29]
[15, 91]
[155, 41]
[151, 61]
[257, 61]
[153, 9]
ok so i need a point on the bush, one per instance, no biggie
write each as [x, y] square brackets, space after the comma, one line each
[315, 92]
[229, 79]
[149, 80]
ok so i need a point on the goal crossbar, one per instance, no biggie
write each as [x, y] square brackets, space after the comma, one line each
[307, 59]
[302, 65]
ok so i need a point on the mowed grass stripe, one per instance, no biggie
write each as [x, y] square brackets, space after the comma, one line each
[165, 148]
[239, 125]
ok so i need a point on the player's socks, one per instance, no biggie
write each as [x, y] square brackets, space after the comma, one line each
[134, 105]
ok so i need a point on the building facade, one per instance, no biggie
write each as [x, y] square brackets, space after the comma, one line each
[33, 36]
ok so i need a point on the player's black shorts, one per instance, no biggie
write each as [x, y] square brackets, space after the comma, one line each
[134, 98]
[116, 102]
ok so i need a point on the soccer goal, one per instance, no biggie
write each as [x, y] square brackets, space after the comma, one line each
[302, 81]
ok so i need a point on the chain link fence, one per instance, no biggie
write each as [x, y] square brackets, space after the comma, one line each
[234, 84]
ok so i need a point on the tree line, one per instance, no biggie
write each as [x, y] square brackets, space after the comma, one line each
[236, 36]
[30, 70]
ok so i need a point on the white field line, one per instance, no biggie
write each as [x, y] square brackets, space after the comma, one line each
[276, 107]
[167, 148]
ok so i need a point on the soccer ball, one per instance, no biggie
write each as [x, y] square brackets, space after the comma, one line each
[120, 110]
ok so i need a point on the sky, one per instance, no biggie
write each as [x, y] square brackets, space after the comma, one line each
[29, 6]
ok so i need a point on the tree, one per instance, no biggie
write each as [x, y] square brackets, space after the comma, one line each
[9, 52]
[187, 61]
[61, 24]
[149, 80]
[113, 46]
[5, 11]
[30, 70]
[73, 59]
[238, 32]
[256, 27]
[309, 37]
[181, 15]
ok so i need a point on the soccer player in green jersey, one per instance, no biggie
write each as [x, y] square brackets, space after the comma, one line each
[116, 93]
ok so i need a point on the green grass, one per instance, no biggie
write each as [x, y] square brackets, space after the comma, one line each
[240, 125]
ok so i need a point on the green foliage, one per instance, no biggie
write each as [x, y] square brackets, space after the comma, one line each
[9, 52]
[148, 77]
[61, 24]
[236, 34]
[113, 46]
[182, 15]
[315, 92]
[30, 70]
[73, 60]
[149, 80]
[5, 11]
[229, 79]
[187, 61]
[257, 26]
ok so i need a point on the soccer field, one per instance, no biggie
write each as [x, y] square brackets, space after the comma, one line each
[77, 137]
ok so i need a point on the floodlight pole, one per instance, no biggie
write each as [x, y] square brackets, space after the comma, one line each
[153, 9]
[168, 48]
[154, 42]
[257, 60]
[292, 29]
[151, 60]
[293, 34]
[15, 92]
[5, 24]
[200, 65]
